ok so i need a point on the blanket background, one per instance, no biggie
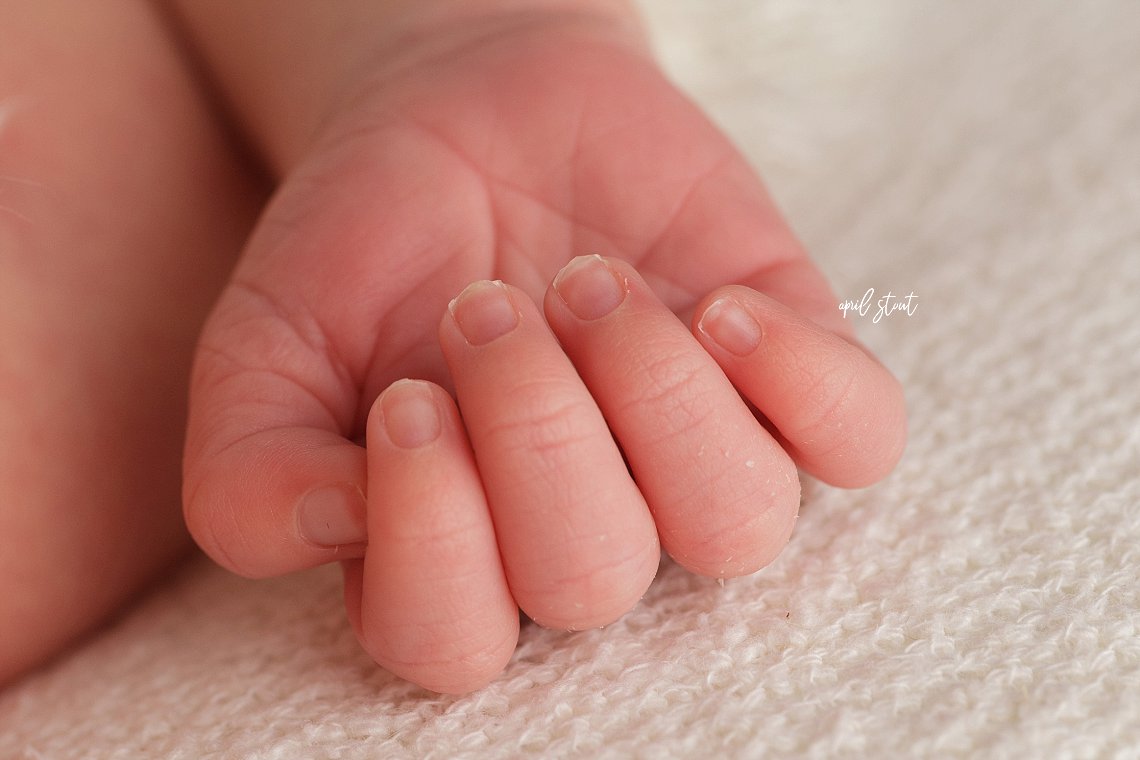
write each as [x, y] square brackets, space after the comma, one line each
[984, 601]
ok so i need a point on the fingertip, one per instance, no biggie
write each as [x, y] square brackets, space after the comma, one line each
[598, 593]
[882, 441]
[852, 426]
[443, 642]
[760, 529]
[465, 672]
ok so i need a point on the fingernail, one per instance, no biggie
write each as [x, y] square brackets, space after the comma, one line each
[333, 515]
[484, 312]
[730, 327]
[410, 414]
[589, 287]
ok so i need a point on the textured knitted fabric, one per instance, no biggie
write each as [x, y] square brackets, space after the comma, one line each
[983, 601]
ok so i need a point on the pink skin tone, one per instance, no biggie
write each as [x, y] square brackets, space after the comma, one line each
[122, 209]
[504, 160]
[702, 348]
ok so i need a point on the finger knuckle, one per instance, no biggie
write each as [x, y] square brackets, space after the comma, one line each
[742, 523]
[830, 409]
[544, 424]
[675, 395]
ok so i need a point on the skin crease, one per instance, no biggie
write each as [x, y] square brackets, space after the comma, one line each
[501, 155]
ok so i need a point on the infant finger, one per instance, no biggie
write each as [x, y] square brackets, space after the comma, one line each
[577, 541]
[842, 413]
[723, 493]
[434, 604]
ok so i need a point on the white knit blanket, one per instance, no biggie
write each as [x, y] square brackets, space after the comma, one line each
[984, 601]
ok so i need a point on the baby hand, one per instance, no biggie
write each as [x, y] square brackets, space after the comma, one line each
[527, 500]
[503, 160]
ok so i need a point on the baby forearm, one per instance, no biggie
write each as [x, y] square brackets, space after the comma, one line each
[285, 66]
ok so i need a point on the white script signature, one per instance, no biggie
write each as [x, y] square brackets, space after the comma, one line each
[885, 306]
